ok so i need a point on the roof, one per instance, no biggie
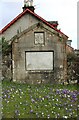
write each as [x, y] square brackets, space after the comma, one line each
[34, 14]
[54, 23]
[69, 49]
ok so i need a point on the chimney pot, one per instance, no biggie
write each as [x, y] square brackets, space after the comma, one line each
[28, 4]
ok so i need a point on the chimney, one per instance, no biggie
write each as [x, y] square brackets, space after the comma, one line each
[69, 42]
[28, 4]
[54, 23]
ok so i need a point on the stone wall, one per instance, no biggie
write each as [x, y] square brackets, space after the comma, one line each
[7, 67]
[25, 43]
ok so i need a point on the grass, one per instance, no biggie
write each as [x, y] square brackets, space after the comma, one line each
[39, 101]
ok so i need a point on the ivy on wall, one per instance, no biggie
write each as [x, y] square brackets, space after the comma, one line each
[6, 59]
[6, 47]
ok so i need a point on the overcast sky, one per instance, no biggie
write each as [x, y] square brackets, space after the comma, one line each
[63, 11]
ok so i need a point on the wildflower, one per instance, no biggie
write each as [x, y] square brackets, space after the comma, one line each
[48, 116]
[7, 101]
[53, 107]
[11, 90]
[31, 111]
[65, 117]
[42, 98]
[57, 91]
[20, 103]
[22, 93]
[13, 96]
[68, 96]
[71, 105]
[45, 105]
[52, 112]
[17, 112]
[66, 108]
[32, 100]
[56, 99]
[16, 91]
[8, 96]
[20, 96]
[58, 115]
[36, 113]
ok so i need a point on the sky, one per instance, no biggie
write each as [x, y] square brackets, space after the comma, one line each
[63, 11]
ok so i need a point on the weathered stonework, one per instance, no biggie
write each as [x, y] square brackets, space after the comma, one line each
[24, 42]
[22, 38]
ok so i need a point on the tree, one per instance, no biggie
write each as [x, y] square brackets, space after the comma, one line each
[6, 47]
[6, 58]
[76, 69]
[72, 67]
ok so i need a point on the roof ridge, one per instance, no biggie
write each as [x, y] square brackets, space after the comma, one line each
[21, 14]
[12, 21]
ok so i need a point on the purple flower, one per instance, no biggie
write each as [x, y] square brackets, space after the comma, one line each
[64, 91]
[31, 111]
[8, 96]
[74, 96]
[58, 91]
[32, 100]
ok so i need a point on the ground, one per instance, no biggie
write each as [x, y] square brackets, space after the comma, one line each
[39, 101]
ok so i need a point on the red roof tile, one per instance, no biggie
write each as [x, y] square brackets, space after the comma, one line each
[37, 16]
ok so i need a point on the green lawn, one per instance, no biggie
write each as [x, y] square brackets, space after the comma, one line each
[39, 101]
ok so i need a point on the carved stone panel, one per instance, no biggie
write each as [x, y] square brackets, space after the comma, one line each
[39, 38]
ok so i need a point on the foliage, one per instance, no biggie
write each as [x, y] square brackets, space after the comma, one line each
[70, 57]
[6, 58]
[76, 69]
[6, 47]
[39, 101]
[73, 69]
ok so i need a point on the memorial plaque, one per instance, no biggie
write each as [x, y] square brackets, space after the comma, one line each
[39, 60]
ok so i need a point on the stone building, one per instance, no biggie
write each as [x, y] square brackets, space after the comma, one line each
[69, 48]
[38, 49]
